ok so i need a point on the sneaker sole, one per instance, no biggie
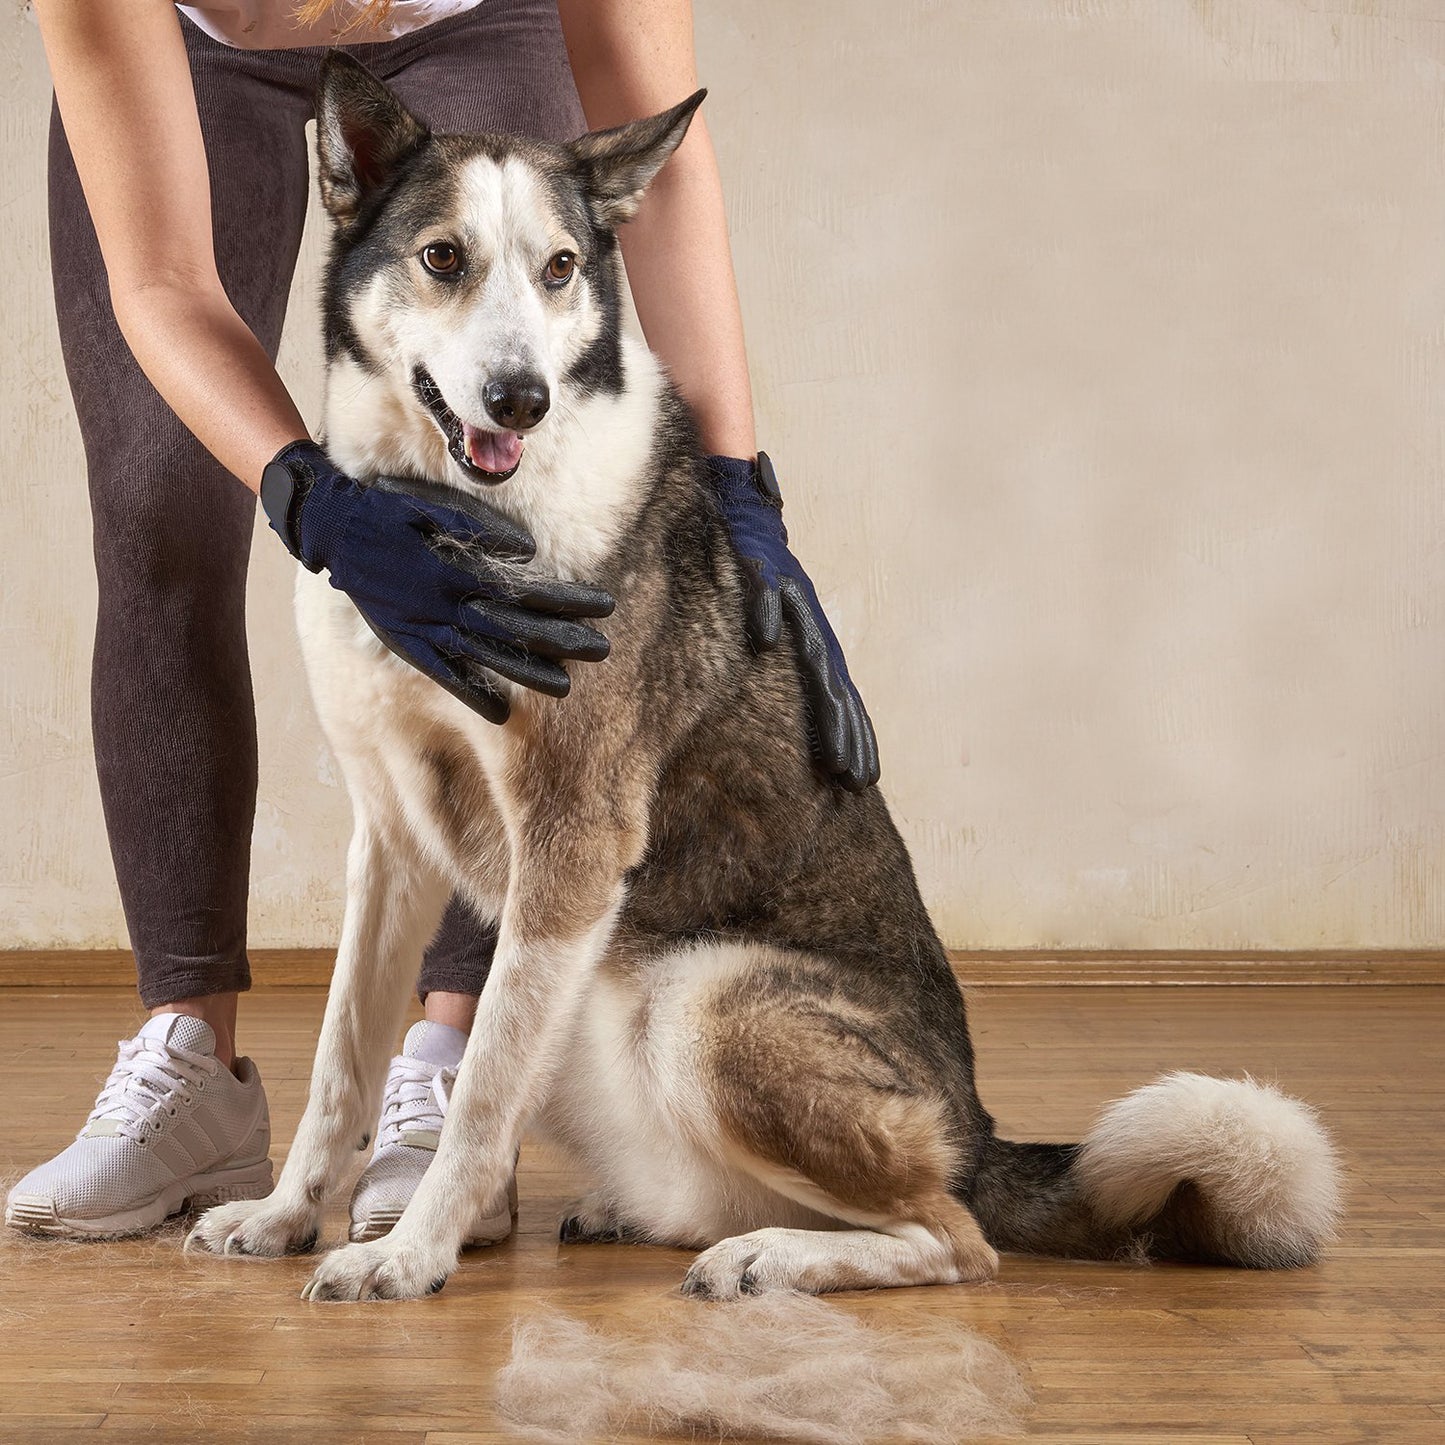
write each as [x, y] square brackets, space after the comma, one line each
[490, 1229]
[35, 1214]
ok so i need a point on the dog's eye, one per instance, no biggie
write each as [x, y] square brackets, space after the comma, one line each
[560, 267]
[441, 258]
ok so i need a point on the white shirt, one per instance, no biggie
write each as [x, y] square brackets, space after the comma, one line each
[272, 24]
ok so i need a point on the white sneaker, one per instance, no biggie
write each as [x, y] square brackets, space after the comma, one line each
[412, 1110]
[172, 1126]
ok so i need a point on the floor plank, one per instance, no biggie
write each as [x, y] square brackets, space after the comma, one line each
[50, 968]
[134, 1340]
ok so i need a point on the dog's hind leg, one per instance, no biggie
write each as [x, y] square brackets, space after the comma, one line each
[815, 1261]
[593, 1220]
[922, 1236]
[394, 901]
[814, 1101]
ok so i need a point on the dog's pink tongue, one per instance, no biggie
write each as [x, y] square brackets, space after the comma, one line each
[493, 451]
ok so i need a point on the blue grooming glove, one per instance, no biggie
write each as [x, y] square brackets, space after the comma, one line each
[432, 570]
[778, 588]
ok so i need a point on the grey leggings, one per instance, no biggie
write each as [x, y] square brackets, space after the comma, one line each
[175, 731]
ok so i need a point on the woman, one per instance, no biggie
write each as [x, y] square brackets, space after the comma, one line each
[178, 187]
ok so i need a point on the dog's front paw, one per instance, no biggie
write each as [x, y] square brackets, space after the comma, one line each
[262, 1228]
[382, 1269]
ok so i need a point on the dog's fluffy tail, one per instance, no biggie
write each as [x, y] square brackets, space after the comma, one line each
[1221, 1170]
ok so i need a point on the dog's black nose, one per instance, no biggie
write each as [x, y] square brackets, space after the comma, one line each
[516, 403]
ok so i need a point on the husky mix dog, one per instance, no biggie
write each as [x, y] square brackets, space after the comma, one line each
[715, 984]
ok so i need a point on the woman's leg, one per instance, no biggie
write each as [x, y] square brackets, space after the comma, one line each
[501, 67]
[175, 739]
[456, 966]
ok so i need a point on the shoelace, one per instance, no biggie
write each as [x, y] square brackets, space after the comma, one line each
[417, 1095]
[147, 1080]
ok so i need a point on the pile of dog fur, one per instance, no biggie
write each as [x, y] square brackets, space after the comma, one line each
[779, 1366]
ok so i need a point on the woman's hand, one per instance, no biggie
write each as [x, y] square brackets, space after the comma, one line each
[751, 503]
[435, 574]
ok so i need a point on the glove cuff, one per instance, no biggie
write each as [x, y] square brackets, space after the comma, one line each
[313, 529]
[286, 482]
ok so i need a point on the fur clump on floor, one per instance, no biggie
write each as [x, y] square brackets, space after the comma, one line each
[779, 1366]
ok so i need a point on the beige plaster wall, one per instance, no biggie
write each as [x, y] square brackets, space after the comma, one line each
[1099, 345]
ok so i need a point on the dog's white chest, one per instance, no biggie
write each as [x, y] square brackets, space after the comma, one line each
[396, 734]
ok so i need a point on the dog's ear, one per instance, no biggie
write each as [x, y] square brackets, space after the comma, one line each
[362, 133]
[618, 164]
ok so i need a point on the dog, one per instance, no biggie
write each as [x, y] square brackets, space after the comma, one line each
[716, 984]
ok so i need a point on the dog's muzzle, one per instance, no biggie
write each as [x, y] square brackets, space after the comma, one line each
[489, 456]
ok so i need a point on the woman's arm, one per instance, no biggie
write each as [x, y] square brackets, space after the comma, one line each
[633, 58]
[123, 83]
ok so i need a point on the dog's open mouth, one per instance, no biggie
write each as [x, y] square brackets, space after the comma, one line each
[491, 456]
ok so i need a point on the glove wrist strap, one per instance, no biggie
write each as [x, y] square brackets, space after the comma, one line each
[765, 479]
[286, 482]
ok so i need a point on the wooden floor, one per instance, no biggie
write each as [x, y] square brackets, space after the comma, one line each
[135, 1341]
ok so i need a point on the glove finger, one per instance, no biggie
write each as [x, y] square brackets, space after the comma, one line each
[872, 768]
[830, 726]
[445, 672]
[461, 517]
[858, 775]
[469, 685]
[535, 632]
[764, 607]
[824, 692]
[516, 665]
[560, 598]
[478, 696]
